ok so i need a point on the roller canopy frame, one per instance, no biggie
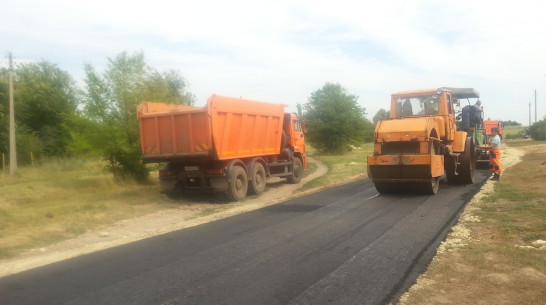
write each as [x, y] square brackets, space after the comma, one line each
[463, 93]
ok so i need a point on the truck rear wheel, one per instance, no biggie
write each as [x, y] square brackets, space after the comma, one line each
[257, 178]
[297, 171]
[237, 183]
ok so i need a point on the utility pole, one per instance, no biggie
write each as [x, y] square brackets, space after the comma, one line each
[535, 105]
[529, 114]
[12, 145]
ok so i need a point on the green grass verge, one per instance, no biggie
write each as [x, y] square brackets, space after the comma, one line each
[512, 132]
[518, 205]
[340, 167]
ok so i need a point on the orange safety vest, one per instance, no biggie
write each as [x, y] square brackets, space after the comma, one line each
[494, 160]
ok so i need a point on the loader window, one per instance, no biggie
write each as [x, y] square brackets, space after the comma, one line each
[417, 105]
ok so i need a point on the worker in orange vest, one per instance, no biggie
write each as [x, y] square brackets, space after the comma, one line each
[495, 154]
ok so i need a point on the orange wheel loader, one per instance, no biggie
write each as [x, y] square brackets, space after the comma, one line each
[420, 142]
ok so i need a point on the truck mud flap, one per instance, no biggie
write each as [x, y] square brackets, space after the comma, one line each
[218, 183]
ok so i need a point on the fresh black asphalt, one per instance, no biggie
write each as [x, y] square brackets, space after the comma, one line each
[344, 245]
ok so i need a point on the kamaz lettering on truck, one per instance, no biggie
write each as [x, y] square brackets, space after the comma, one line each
[231, 145]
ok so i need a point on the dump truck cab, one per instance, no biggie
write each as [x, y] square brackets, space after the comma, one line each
[295, 136]
[420, 142]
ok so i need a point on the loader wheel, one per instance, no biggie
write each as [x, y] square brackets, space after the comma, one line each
[237, 184]
[387, 188]
[434, 184]
[450, 166]
[429, 187]
[257, 176]
[468, 162]
[297, 173]
[462, 173]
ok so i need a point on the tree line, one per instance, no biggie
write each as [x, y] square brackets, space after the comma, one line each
[56, 118]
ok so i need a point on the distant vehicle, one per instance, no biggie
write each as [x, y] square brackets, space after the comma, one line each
[421, 141]
[231, 145]
[488, 125]
[483, 136]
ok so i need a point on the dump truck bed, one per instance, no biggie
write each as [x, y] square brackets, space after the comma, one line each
[226, 128]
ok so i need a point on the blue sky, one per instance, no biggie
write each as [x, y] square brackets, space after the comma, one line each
[281, 51]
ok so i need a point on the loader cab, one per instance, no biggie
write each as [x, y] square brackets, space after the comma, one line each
[415, 105]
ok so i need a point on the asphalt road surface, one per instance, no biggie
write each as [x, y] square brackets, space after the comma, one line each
[345, 245]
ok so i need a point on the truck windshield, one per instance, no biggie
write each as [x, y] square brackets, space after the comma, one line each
[416, 105]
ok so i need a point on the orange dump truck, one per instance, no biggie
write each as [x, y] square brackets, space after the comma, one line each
[231, 145]
[420, 142]
[488, 125]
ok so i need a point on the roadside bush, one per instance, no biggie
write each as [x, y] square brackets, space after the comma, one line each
[537, 131]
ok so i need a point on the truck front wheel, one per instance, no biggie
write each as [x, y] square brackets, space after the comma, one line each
[237, 183]
[297, 171]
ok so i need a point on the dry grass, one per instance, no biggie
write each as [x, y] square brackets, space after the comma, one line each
[513, 132]
[500, 261]
[64, 198]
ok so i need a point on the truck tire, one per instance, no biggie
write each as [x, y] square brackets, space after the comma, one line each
[237, 184]
[257, 178]
[464, 172]
[297, 172]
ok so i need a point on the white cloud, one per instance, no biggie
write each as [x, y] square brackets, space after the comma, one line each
[283, 50]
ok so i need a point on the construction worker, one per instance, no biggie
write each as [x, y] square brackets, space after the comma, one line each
[495, 154]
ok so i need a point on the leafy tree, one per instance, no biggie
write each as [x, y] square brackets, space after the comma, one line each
[335, 120]
[110, 103]
[299, 108]
[381, 115]
[45, 99]
[537, 131]
[510, 123]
